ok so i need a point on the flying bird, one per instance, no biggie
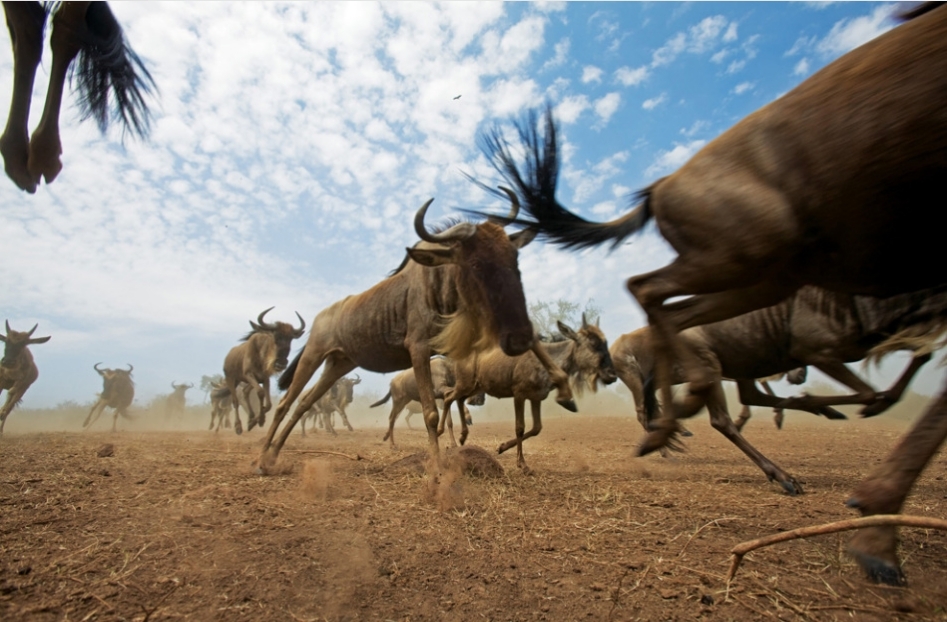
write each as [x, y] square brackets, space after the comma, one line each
[458, 97]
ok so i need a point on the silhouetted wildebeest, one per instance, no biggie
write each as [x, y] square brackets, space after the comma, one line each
[812, 327]
[457, 291]
[583, 355]
[220, 405]
[175, 402]
[832, 184]
[334, 401]
[106, 63]
[264, 352]
[17, 369]
[118, 391]
[403, 392]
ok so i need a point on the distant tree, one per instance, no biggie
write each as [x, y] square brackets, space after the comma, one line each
[207, 383]
[545, 314]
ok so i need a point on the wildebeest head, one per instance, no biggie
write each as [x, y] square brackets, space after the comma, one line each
[118, 390]
[283, 335]
[180, 389]
[593, 360]
[15, 342]
[488, 279]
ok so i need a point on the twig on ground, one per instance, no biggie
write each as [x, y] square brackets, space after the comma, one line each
[817, 530]
[697, 533]
[330, 453]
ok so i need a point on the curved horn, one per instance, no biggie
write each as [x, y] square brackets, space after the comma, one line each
[96, 368]
[130, 368]
[30, 334]
[457, 232]
[8, 321]
[357, 379]
[302, 326]
[262, 323]
[514, 203]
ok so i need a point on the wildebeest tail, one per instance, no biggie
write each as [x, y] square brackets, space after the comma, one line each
[220, 393]
[536, 187]
[382, 400]
[650, 399]
[286, 378]
[106, 64]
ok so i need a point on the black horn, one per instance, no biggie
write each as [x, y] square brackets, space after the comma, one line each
[96, 368]
[302, 326]
[514, 207]
[262, 323]
[130, 368]
[457, 232]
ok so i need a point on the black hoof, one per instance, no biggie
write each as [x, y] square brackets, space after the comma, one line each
[792, 487]
[569, 405]
[879, 570]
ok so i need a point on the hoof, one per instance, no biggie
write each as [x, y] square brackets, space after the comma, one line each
[568, 405]
[687, 433]
[879, 570]
[238, 428]
[792, 487]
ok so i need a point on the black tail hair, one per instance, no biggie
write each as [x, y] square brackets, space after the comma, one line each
[286, 378]
[650, 399]
[382, 400]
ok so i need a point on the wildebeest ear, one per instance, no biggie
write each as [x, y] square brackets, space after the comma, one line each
[432, 257]
[3, 339]
[565, 330]
[39, 340]
[522, 238]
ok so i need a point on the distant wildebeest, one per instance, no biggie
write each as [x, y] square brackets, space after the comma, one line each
[813, 327]
[583, 355]
[403, 393]
[839, 199]
[796, 376]
[118, 391]
[220, 405]
[175, 402]
[457, 291]
[17, 369]
[264, 352]
[334, 401]
[106, 63]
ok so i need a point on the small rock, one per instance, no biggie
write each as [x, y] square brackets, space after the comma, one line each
[668, 594]
[24, 570]
[706, 599]
[106, 451]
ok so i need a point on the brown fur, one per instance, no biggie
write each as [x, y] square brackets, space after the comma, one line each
[175, 402]
[118, 391]
[334, 401]
[17, 369]
[583, 356]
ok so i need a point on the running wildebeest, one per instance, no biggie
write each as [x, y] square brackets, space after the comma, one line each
[175, 402]
[118, 391]
[334, 401]
[220, 405]
[812, 327]
[112, 82]
[457, 291]
[264, 352]
[583, 355]
[17, 369]
[403, 392]
[839, 199]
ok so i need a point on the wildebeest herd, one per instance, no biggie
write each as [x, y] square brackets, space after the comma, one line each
[803, 235]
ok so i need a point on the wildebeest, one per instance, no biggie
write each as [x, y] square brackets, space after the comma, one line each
[456, 291]
[264, 352]
[220, 405]
[17, 369]
[175, 402]
[583, 355]
[813, 327]
[839, 198]
[334, 401]
[106, 64]
[118, 391]
[403, 392]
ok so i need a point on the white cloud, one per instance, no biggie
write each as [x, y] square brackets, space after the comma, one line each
[736, 66]
[698, 39]
[569, 109]
[801, 68]
[849, 33]
[590, 181]
[560, 54]
[631, 77]
[731, 34]
[697, 126]
[743, 87]
[606, 107]
[668, 161]
[654, 102]
[590, 73]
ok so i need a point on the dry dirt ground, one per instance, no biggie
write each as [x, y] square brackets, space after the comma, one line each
[175, 525]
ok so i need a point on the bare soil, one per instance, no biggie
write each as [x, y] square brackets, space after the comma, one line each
[175, 525]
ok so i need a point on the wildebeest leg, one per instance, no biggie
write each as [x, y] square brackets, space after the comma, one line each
[407, 420]
[97, 409]
[13, 396]
[336, 366]
[262, 396]
[421, 364]
[327, 424]
[535, 408]
[720, 420]
[683, 277]
[396, 409]
[235, 401]
[885, 490]
[893, 395]
[559, 378]
[745, 415]
[345, 419]
[25, 22]
[751, 396]
[465, 420]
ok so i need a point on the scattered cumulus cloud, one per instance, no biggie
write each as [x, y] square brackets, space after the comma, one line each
[591, 73]
[743, 87]
[672, 159]
[606, 107]
[654, 102]
[631, 77]
[570, 108]
[801, 68]
[560, 54]
[849, 33]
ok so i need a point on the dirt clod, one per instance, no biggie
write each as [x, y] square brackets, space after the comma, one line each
[106, 451]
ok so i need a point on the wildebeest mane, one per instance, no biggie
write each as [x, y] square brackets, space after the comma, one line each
[536, 187]
[107, 64]
[255, 331]
[447, 224]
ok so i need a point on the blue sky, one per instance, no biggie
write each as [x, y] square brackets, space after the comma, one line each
[292, 144]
